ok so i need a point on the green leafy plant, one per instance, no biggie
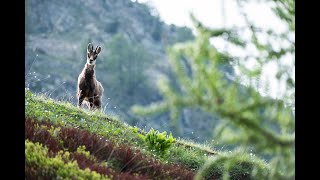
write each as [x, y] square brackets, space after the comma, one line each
[159, 142]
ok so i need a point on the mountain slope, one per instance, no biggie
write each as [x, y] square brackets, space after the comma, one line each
[64, 141]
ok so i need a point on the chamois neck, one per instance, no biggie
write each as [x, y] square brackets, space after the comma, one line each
[91, 66]
[89, 70]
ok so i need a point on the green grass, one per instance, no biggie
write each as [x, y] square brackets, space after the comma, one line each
[234, 165]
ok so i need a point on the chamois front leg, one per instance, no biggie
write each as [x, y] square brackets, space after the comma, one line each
[80, 100]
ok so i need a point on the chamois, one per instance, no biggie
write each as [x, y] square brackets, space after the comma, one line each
[89, 89]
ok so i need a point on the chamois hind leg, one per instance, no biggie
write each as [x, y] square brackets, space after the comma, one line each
[97, 103]
[90, 99]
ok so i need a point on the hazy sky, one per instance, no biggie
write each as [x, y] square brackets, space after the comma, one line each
[214, 13]
[222, 13]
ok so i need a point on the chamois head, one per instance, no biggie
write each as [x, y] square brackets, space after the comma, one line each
[92, 54]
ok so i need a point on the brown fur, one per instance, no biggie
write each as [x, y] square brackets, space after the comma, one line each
[89, 89]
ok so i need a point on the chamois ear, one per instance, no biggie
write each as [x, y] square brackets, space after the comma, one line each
[90, 48]
[98, 49]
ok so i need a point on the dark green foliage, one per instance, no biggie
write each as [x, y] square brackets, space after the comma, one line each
[124, 71]
[181, 35]
[124, 75]
[159, 142]
[112, 26]
[156, 31]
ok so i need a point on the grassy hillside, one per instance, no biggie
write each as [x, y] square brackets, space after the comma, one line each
[62, 141]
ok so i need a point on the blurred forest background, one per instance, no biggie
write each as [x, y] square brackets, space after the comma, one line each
[135, 58]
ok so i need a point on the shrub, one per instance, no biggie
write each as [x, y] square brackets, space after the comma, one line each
[38, 164]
